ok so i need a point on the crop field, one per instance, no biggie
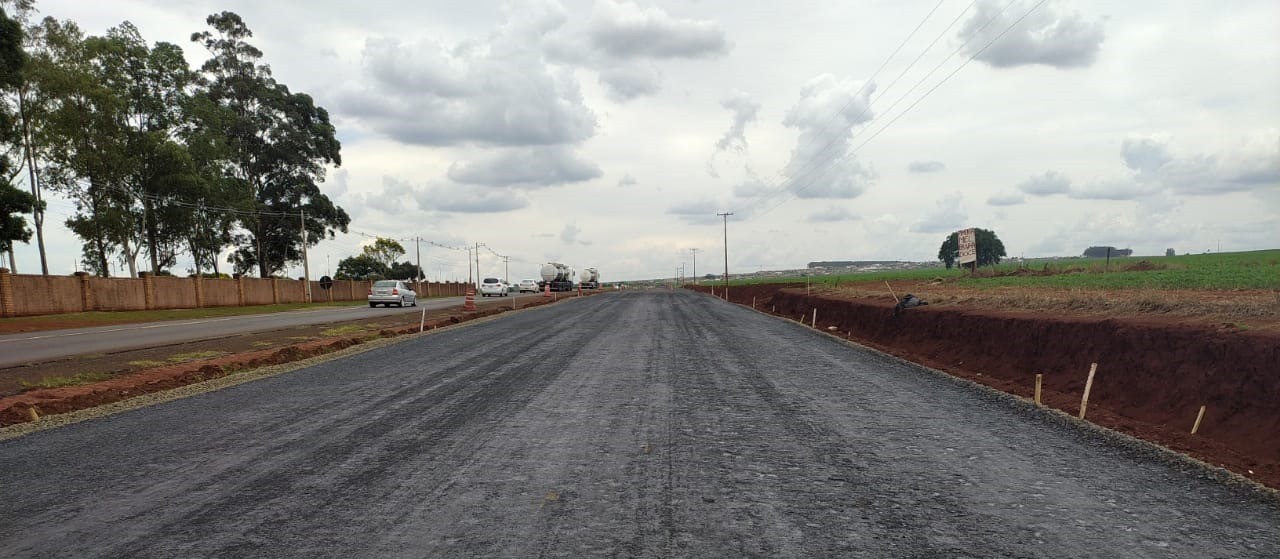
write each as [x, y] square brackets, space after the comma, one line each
[1224, 271]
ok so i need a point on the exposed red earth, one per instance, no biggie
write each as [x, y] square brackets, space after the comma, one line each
[1153, 373]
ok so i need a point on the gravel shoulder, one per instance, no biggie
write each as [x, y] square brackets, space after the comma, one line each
[651, 424]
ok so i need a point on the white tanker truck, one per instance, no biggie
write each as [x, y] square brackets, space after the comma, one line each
[558, 276]
[590, 278]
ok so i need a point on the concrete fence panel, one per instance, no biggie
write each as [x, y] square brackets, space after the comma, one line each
[292, 291]
[220, 292]
[116, 294]
[34, 295]
[258, 291]
[174, 293]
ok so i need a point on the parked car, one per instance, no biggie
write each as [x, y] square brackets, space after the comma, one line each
[389, 292]
[528, 285]
[493, 287]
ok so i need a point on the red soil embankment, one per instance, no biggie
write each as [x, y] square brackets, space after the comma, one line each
[1153, 374]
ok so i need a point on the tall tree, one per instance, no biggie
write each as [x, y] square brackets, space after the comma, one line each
[152, 85]
[990, 248]
[279, 144]
[29, 104]
[13, 201]
[385, 251]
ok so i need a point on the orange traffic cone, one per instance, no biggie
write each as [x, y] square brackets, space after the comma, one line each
[469, 302]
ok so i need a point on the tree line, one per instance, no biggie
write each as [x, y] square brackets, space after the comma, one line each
[159, 158]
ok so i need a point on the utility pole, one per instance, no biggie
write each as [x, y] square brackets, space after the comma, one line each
[694, 252]
[506, 270]
[726, 215]
[477, 266]
[417, 247]
[306, 266]
[469, 267]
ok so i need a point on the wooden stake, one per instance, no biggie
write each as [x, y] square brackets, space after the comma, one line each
[895, 295]
[1039, 379]
[1199, 416]
[814, 323]
[1088, 384]
[753, 303]
[35, 415]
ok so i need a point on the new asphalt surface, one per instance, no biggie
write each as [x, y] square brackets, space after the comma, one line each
[635, 424]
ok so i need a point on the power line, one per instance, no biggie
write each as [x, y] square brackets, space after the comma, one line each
[944, 80]
[781, 187]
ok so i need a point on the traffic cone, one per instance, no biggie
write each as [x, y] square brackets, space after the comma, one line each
[547, 289]
[469, 301]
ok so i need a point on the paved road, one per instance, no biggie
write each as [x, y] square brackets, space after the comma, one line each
[651, 425]
[38, 347]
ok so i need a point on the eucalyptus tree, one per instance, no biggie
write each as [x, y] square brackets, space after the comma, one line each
[277, 143]
[13, 201]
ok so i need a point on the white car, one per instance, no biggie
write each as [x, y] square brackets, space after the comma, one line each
[528, 285]
[389, 292]
[493, 287]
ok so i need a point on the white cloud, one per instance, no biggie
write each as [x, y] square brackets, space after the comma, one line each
[1051, 182]
[626, 30]
[525, 168]
[925, 167]
[832, 214]
[826, 114]
[627, 180]
[948, 215]
[495, 92]
[745, 110]
[1007, 199]
[625, 82]
[449, 197]
[1047, 36]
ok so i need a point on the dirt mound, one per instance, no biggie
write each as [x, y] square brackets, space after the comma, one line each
[1153, 374]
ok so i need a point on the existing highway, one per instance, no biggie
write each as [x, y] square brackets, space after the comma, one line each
[635, 424]
[37, 347]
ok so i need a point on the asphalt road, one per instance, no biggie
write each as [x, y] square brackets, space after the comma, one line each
[650, 424]
[39, 347]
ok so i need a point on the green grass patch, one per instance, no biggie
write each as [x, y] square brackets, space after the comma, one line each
[263, 344]
[348, 330]
[194, 356]
[1224, 271]
[147, 363]
[61, 381]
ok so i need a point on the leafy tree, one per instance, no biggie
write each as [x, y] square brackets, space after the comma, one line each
[13, 202]
[990, 248]
[361, 267]
[277, 142]
[405, 271]
[30, 105]
[385, 251]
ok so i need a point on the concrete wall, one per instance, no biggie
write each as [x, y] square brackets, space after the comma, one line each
[28, 295]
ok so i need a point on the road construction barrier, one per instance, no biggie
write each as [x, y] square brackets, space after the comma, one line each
[469, 302]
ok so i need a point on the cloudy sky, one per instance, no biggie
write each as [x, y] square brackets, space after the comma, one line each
[610, 133]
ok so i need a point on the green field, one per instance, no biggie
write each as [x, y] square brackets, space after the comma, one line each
[1225, 271]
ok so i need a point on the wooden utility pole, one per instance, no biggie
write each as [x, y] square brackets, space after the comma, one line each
[726, 215]
[306, 265]
[694, 253]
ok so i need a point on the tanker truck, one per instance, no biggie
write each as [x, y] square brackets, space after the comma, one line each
[558, 276]
[590, 278]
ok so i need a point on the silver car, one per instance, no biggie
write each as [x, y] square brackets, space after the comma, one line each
[389, 292]
[528, 285]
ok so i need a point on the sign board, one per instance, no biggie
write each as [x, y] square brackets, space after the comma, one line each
[968, 246]
[326, 282]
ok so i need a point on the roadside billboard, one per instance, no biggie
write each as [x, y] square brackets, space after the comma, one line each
[968, 246]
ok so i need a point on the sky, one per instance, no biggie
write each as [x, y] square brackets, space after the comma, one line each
[611, 133]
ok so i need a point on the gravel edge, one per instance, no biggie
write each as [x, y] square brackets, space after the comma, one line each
[1027, 408]
[234, 379]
